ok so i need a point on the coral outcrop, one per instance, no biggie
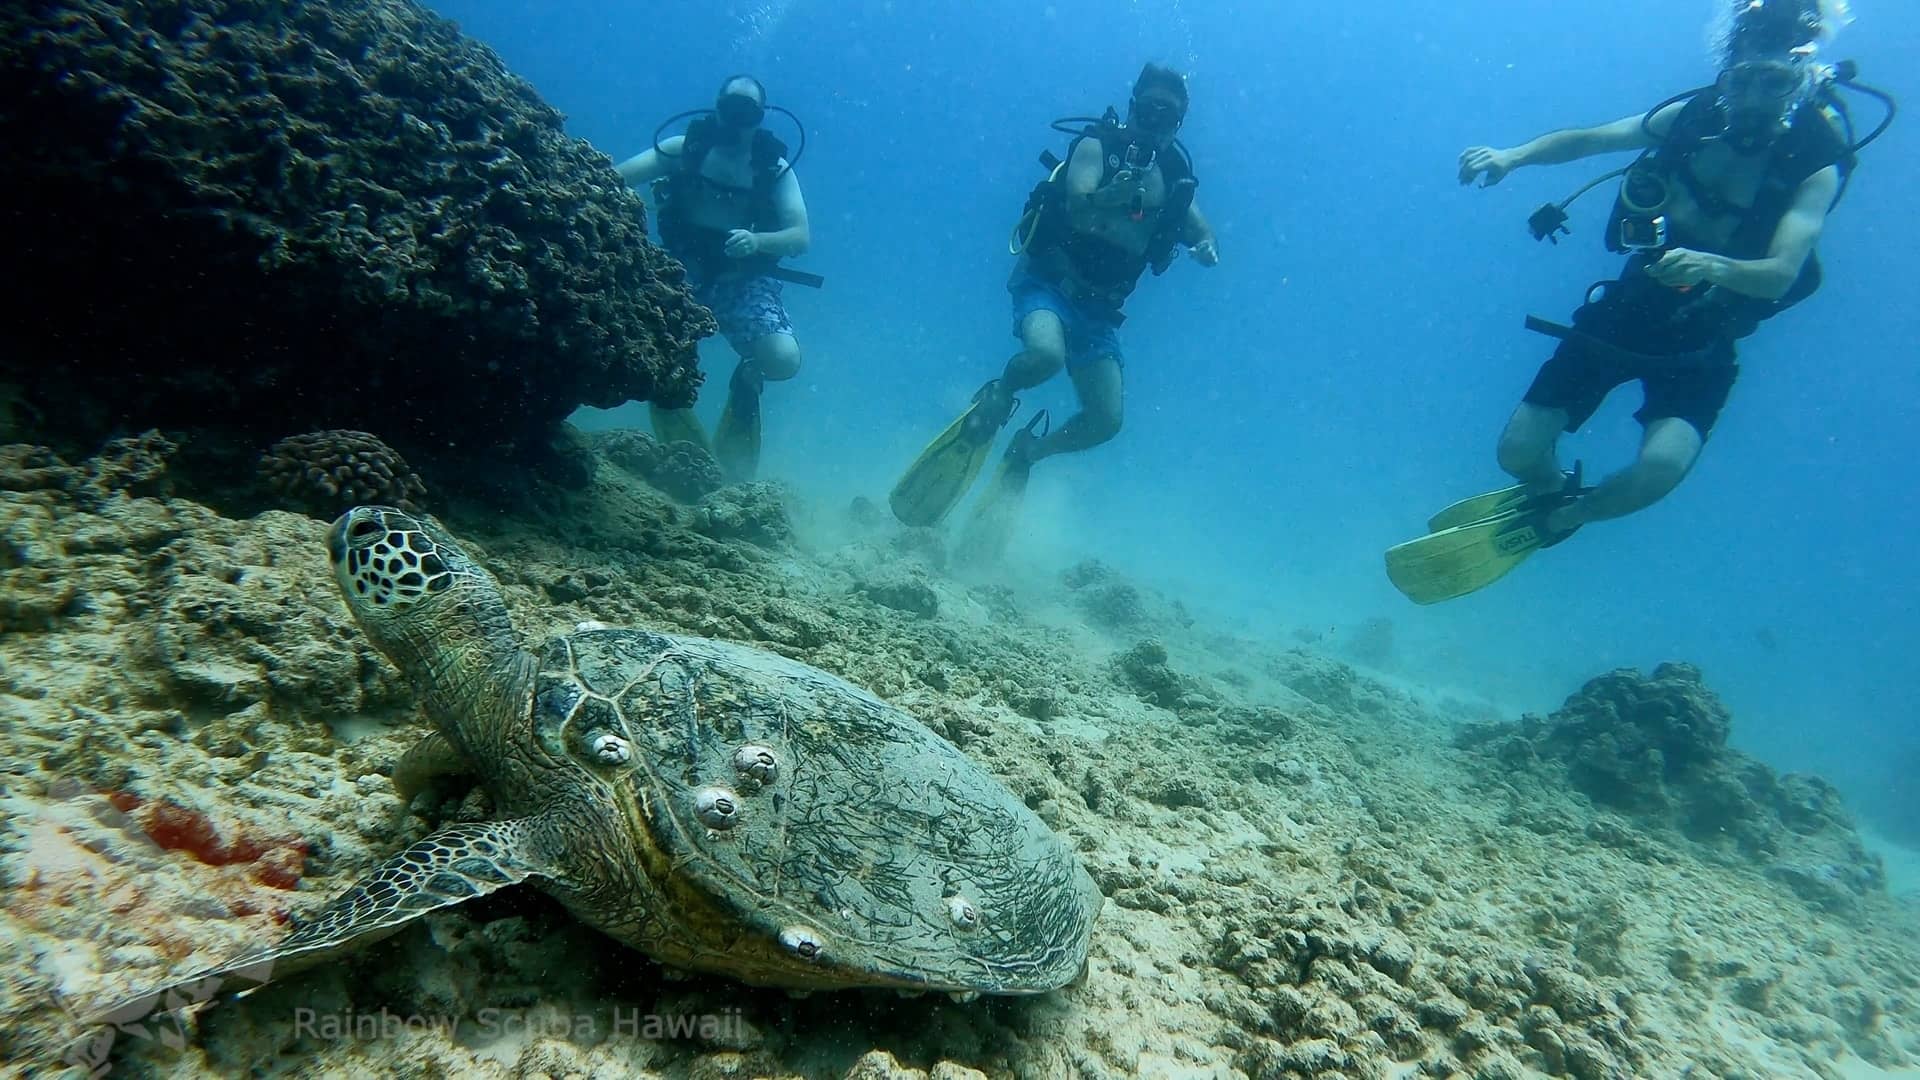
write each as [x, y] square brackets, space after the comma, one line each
[1654, 748]
[279, 218]
[682, 470]
[325, 472]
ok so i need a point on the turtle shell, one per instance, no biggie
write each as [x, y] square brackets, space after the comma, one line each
[790, 829]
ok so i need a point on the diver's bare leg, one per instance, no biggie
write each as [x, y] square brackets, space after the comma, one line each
[1527, 446]
[1667, 453]
[1044, 354]
[1102, 392]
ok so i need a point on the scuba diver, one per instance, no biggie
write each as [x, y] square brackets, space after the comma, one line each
[1718, 217]
[1120, 202]
[729, 207]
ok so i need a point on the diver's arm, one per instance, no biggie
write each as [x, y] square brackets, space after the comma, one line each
[1569, 144]
[1197, 234]
[1196, 230]
[1084, 170]
[1770, 277]
[650, 164]
[793, 236]
[1572, 144]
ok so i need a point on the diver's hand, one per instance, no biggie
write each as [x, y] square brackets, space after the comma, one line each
[1117, 192]
[1683, 268]
[741, 243]
[1486, 162]
[1206, 252]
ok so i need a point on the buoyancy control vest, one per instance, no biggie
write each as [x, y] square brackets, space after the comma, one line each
[702, 247]
[1111, 271]
[1812, 142]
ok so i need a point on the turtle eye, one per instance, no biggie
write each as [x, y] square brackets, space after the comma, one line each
[364, 528]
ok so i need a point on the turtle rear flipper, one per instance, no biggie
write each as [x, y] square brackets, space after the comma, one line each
[432, 759]
[455, 864]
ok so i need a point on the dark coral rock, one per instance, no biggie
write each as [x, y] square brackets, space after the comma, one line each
[290, 217]
[1655, 748]
[901, 591]
[1116, 605]
[755, 513]
[1086, 572]
[1144, 668]
[36, 468]
[682, 471]
[136, 465]
[323, 473]
[1627, 738]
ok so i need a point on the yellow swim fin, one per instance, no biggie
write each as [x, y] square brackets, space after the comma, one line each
[1466, 558]
[1477, 507]
[677, 425]
[984, 540]
[943, 472]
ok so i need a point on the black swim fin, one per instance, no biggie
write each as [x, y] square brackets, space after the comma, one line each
[736, 438]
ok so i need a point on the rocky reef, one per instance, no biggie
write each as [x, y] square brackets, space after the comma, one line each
[1654, 749]
[1305, 878]
[275, 219]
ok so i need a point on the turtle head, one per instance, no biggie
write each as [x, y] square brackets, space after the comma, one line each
[416, 594]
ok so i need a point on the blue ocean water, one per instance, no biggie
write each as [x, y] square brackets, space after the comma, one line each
[1345, 370]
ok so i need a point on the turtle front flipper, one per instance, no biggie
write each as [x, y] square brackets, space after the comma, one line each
[453, 865]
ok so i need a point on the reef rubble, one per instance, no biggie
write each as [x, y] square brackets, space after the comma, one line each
[1306, 876]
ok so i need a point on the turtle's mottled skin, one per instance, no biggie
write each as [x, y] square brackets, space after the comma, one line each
[715, 806]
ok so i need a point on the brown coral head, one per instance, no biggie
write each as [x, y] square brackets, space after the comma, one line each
[324, 472]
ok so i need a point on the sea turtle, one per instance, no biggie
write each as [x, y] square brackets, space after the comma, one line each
[715, 806]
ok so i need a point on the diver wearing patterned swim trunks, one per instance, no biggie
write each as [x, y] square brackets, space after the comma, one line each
[729, 207]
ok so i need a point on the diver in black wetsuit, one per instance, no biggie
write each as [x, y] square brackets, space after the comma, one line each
[1720, 216]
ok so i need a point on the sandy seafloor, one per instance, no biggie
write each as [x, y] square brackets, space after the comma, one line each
[1304, 876]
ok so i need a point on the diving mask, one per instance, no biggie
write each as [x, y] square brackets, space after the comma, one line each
[739, 111]
[1155, 115]
[1760, 82]
[1758, 99]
